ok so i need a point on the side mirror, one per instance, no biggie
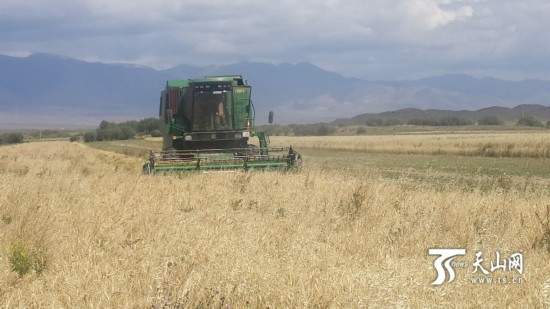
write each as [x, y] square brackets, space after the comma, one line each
[169, 116]
[270, 120]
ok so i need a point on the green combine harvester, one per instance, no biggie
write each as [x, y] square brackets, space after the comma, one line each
[206, 125]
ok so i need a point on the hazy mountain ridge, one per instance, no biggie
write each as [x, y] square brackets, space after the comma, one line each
[49, 89]
[503, 113]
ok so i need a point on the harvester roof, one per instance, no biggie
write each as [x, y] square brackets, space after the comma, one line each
[177, 83]
[233, 79]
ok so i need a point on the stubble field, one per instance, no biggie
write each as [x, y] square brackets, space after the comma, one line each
[82, 227]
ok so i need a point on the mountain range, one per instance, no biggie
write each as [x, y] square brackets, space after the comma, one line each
[44, 90]
[503, 114]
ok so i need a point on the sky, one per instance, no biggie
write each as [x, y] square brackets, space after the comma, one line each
[368, 39]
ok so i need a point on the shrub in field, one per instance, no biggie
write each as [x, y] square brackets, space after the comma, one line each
[11, 138]
[530, 121]
[24, 257]
[109, 134]
[156, 133]
[109, 131]
[128, 132]
[490, 121]
[143, 126]
[148, 125]
[20, 258]
[89, 137]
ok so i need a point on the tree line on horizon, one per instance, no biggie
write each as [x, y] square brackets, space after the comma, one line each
[108, 131]
[321, 129]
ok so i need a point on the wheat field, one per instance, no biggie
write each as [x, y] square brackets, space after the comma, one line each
[81, 227]
[492, 144]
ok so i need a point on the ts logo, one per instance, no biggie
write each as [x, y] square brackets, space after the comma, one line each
[446, 256]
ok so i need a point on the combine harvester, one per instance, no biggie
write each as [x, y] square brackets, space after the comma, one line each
[206, 125]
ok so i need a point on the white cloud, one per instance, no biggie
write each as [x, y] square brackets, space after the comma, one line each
[428, 15]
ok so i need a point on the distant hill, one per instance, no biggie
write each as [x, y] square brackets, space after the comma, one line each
[503, 113]
[47, 90]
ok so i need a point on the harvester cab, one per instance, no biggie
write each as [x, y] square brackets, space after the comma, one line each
[207, 123]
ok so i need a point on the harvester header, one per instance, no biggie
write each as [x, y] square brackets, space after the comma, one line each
[207, 123]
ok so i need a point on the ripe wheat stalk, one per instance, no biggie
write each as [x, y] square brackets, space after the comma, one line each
[111, 237]
[495, 144]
